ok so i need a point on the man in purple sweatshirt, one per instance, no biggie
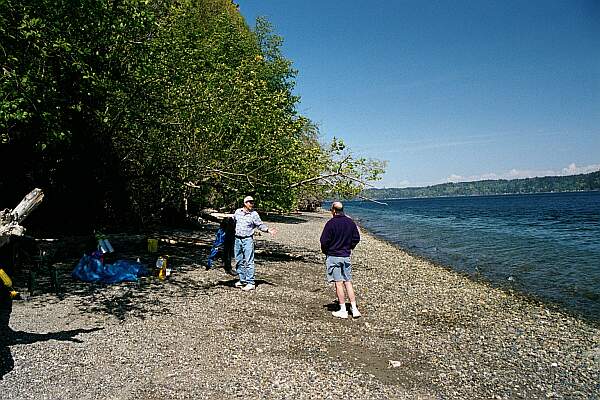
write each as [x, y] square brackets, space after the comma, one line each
[340, 236]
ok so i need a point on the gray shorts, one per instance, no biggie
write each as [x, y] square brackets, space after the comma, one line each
[339, 269]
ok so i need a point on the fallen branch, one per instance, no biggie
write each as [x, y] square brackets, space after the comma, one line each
[374, 201]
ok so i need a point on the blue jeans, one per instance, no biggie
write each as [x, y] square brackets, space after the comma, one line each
[244, 259]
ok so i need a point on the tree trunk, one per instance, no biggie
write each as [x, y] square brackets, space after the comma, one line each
[10, 219]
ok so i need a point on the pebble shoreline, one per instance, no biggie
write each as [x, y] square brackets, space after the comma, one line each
[426, 332]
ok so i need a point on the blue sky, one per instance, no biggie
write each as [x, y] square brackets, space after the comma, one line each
[449, 90]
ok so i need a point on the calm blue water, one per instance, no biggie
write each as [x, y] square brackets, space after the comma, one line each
[546, 245]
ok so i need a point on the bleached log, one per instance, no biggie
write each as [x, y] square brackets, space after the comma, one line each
[213, 215]
[10, 220]
[27, 205]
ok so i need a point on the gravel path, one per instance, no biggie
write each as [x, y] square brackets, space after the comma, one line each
[426, 332]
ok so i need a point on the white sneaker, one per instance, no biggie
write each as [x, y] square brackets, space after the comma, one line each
[356, 313]
[340, 314]
[239, 284]
[248, 287]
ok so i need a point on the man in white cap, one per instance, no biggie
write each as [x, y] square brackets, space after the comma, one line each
[246, 220]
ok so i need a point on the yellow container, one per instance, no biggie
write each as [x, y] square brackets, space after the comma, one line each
[5, 279]
[161, 265]
[152, 245]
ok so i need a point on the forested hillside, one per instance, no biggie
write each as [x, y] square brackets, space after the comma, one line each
[583, 182]
[125, 111]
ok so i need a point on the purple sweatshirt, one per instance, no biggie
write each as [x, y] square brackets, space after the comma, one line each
[339, 236]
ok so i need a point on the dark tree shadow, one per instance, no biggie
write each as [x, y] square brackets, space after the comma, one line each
[284, 219]
[272, 251]
[187, 251]
[9, 338]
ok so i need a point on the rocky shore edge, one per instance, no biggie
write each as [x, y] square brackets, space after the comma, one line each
[426, 331]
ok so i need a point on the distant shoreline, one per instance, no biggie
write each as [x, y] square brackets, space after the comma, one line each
[546, 184]
[475, 195]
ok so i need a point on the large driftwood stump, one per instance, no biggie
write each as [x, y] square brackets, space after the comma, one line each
[10, 220]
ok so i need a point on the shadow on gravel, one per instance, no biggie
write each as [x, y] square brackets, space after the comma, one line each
[187, 251]
[283, 219]
[270, 251]
[9, 338]
[333, 306]
[231, 283]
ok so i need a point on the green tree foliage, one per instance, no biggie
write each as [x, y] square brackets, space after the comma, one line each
[58, 57]
[583, 182]
[126, 108]
[342, 175]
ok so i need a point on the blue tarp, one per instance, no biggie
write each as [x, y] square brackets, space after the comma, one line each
[219, 240]
[91, 269]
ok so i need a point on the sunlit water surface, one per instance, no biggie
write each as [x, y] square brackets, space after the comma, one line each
[546, 245]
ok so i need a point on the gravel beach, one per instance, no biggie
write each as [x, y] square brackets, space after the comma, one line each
[426, 332]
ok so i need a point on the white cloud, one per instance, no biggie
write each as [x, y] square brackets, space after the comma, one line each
[571, 169]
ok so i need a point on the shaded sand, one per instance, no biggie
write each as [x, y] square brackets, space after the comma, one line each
[427, 332]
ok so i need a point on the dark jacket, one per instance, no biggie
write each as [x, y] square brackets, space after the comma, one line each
[339, 236]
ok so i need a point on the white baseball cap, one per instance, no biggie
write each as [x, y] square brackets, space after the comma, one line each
[248, 198]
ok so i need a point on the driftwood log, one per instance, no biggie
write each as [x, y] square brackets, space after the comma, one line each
[213, 215]
[10, 220]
